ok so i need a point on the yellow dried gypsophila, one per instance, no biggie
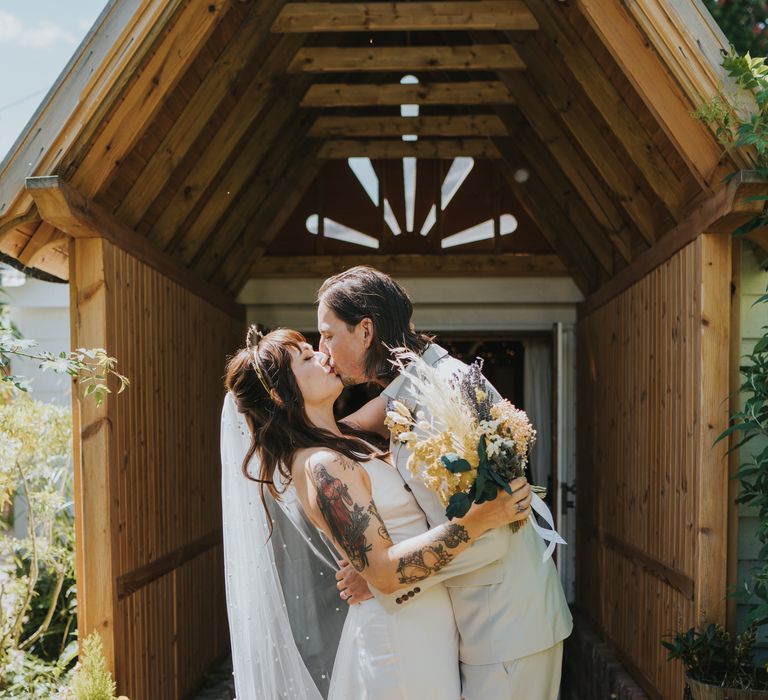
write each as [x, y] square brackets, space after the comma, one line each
[514, 423]
[425, 464]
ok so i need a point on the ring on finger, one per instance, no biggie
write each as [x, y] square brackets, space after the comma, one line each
[520, 507]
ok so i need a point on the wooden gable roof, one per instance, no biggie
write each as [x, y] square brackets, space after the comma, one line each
[195, 133]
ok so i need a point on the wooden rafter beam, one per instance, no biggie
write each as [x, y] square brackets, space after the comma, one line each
[246, 129]
[406, 58]
[507, 264]
[63, 207]
[307, 17]
[366, 127]
[729, 208]
[8, 228]
[539, 130]
[557, 189]
[394, 150]
[95, 158]
[45, 239]
[371, 95]
[556, 110]
[571, 61]
[275, 166]
[634, 52]
[235, 67]
[269, 219]
[553, 221]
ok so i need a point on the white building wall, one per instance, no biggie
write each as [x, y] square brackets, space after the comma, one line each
[441, 305]
[41, 311]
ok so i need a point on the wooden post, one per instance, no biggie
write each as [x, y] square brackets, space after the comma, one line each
[713, 292]
[94, 450]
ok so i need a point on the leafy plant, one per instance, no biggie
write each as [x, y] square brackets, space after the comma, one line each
[743, 22]
[35, 448]
[92, 679]
[715, 657]
[749, 423]
[92, 366]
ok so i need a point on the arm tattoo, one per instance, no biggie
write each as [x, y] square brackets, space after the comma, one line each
[382, 527]
[347, 520]
[423, 563]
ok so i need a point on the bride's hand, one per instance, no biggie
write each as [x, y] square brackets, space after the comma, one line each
[505, 508]
[353, 588]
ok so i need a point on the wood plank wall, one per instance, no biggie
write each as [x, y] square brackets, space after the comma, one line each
[148, 509]
[652, 517]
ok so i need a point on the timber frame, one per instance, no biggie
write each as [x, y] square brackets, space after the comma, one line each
[192, 145]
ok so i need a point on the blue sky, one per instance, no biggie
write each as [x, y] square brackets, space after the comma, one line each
[37, 39]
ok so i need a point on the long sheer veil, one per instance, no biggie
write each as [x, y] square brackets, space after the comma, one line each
[285, 617]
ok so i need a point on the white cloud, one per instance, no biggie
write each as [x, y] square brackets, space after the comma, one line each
[40, 36]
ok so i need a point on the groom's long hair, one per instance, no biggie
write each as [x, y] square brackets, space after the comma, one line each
[364, 292]
[273, 407]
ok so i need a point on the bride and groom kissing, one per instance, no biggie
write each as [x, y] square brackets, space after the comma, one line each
[466, 608]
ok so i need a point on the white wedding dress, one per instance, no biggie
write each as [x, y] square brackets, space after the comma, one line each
[285, 616]
[411, 654]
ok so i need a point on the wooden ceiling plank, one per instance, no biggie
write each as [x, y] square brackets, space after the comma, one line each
[269, 220]
[375, 126]
[554, 96]
[164, 68]
[552, 221]
[200, 108]
[638, 59]
[67, 209]
[289, 146]
[394, 150]
[505, 264]
[406, 58]
[730, 207]
[219, 197]
[7, 230]
[365, 95]
[583, 68]
[45, 239]
[691, 44]
[241, 121]
[404, 16]
[576, 165]
[536, 158]
[84, 91]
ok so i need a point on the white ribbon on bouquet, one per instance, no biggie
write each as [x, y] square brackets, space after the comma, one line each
[547, 534]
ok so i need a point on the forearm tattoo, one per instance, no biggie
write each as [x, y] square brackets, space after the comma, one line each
[423, 563]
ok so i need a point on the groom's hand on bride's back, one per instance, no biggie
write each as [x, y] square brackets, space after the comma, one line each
[353, 588]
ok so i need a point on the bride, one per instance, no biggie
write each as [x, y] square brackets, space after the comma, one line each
[349, 503]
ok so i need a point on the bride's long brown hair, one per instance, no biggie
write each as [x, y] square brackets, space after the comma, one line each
[265, 390]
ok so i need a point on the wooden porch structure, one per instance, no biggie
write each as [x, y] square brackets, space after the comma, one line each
[189, 146]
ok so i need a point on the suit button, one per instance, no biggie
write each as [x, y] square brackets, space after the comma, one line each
[399, 601]
[407, 488]
[411, 594]
[417, 590]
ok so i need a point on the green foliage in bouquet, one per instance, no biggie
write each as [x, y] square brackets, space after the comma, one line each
[713, 656]
[488, 480]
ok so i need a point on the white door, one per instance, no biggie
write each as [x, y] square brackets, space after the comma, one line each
[564, 450]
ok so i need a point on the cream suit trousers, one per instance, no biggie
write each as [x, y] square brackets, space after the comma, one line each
[534, 677]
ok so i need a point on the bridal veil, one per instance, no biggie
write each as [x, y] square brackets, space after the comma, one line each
[285, 616]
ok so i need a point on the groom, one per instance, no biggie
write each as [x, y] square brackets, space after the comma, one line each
[509, 605]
